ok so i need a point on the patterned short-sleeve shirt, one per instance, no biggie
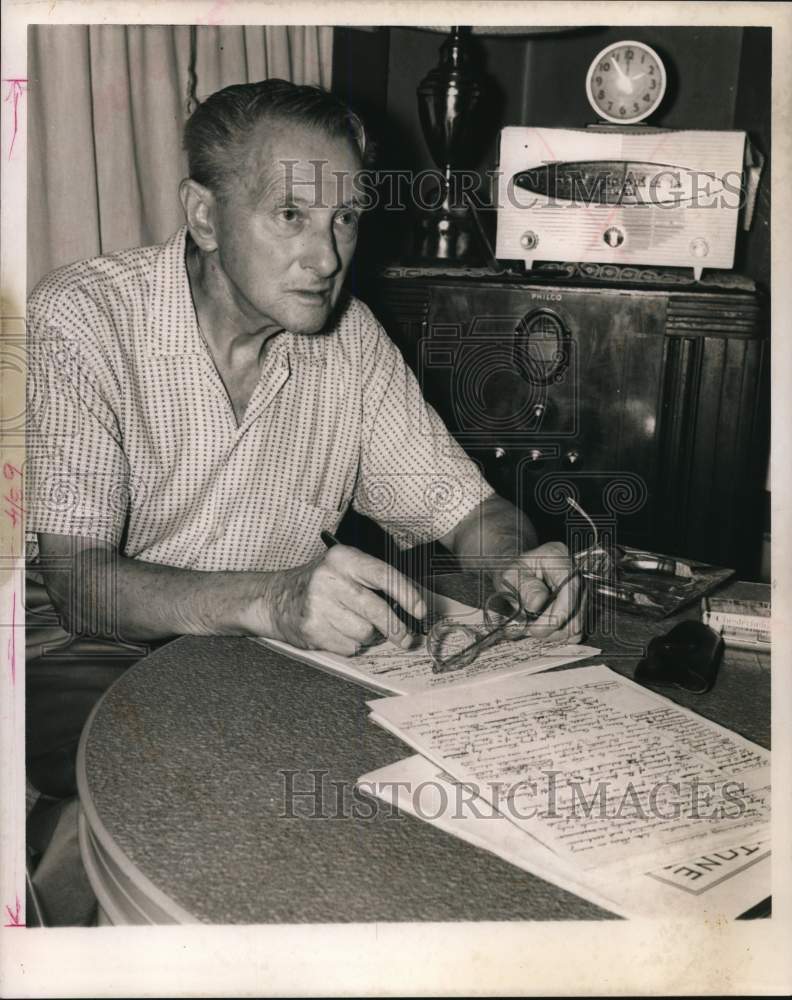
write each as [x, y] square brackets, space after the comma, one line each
[132, 438]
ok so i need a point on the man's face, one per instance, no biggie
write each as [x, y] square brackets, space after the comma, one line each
[286, 231]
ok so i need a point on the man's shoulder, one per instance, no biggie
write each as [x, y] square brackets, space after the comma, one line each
[357, 320]
[102, 288]
[355, 314]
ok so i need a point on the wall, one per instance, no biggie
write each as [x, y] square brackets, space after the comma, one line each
[702, 65]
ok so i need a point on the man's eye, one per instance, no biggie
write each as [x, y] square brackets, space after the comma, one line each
[289, 215]
[347, 219]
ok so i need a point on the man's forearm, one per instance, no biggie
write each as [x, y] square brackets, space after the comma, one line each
[117, 597]
[495, 529]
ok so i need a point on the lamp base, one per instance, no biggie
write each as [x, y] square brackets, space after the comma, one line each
[448, 235]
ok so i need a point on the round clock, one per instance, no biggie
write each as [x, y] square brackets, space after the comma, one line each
[626, 82]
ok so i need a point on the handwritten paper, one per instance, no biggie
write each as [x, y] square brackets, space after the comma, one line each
[392, 670]
[717, 882]
[594, 766]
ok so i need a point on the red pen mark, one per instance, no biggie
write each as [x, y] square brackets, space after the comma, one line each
[13, 95]
[14, 919]
[213, 17]
[13, 498]
[15, 510]
[550, 151]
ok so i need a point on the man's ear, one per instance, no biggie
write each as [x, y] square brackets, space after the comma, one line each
[200, 210]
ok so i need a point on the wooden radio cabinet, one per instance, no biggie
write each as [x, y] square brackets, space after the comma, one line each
[643, 393]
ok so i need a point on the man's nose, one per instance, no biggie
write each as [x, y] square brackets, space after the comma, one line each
[321, 254]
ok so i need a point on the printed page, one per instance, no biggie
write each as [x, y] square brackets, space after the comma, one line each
[389, 669]
[719, 882]
[594, 766]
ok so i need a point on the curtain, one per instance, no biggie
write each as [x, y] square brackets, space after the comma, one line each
[106, 109]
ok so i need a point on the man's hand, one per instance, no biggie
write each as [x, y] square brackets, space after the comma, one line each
[541, 573]
[545, 578]
[330, 603]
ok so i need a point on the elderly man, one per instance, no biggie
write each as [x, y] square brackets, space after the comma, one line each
[203, 409]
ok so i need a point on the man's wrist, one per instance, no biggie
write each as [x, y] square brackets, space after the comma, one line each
[250, 612]
[265, 604]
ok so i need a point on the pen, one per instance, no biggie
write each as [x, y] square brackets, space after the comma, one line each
[412, 623]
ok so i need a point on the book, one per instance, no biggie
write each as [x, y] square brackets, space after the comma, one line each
[388, 669]
[743, 618]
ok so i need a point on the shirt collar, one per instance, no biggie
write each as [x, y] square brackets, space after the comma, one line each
[313, 350]
[172, 327]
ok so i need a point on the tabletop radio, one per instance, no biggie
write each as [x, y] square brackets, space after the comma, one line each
[620, 194]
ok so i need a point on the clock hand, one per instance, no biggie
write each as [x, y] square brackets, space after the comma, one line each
[619, 70]
[624, 83]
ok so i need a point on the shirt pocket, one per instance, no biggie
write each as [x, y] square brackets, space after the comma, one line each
[298, 534]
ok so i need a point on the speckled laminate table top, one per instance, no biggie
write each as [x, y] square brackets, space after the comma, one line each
[189, 760]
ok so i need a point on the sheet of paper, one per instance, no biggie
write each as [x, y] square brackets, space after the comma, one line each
[392, 670]
[717, 883]
[594, 766]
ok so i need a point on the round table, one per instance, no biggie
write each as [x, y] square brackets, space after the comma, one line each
[190, 774]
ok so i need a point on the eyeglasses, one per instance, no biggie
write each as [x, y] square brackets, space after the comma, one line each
[453, 645]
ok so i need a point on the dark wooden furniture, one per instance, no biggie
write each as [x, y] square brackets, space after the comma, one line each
[642, 392]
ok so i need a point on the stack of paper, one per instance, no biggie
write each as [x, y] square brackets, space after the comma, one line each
[390, 669]
[593, 782]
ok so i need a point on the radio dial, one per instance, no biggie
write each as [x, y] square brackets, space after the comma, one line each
[699, 247]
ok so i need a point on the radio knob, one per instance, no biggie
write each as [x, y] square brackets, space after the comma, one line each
[539, 411]
[572, 457]
[699, 247]
[500, 452]
[535, 455]
[529, 240]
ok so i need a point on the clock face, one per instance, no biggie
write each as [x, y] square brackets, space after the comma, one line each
[626, 82]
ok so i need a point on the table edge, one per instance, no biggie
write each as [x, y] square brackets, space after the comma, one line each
[103, 835]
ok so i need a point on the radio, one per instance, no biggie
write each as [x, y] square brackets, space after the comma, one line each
[618, 192]
[620, 195]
